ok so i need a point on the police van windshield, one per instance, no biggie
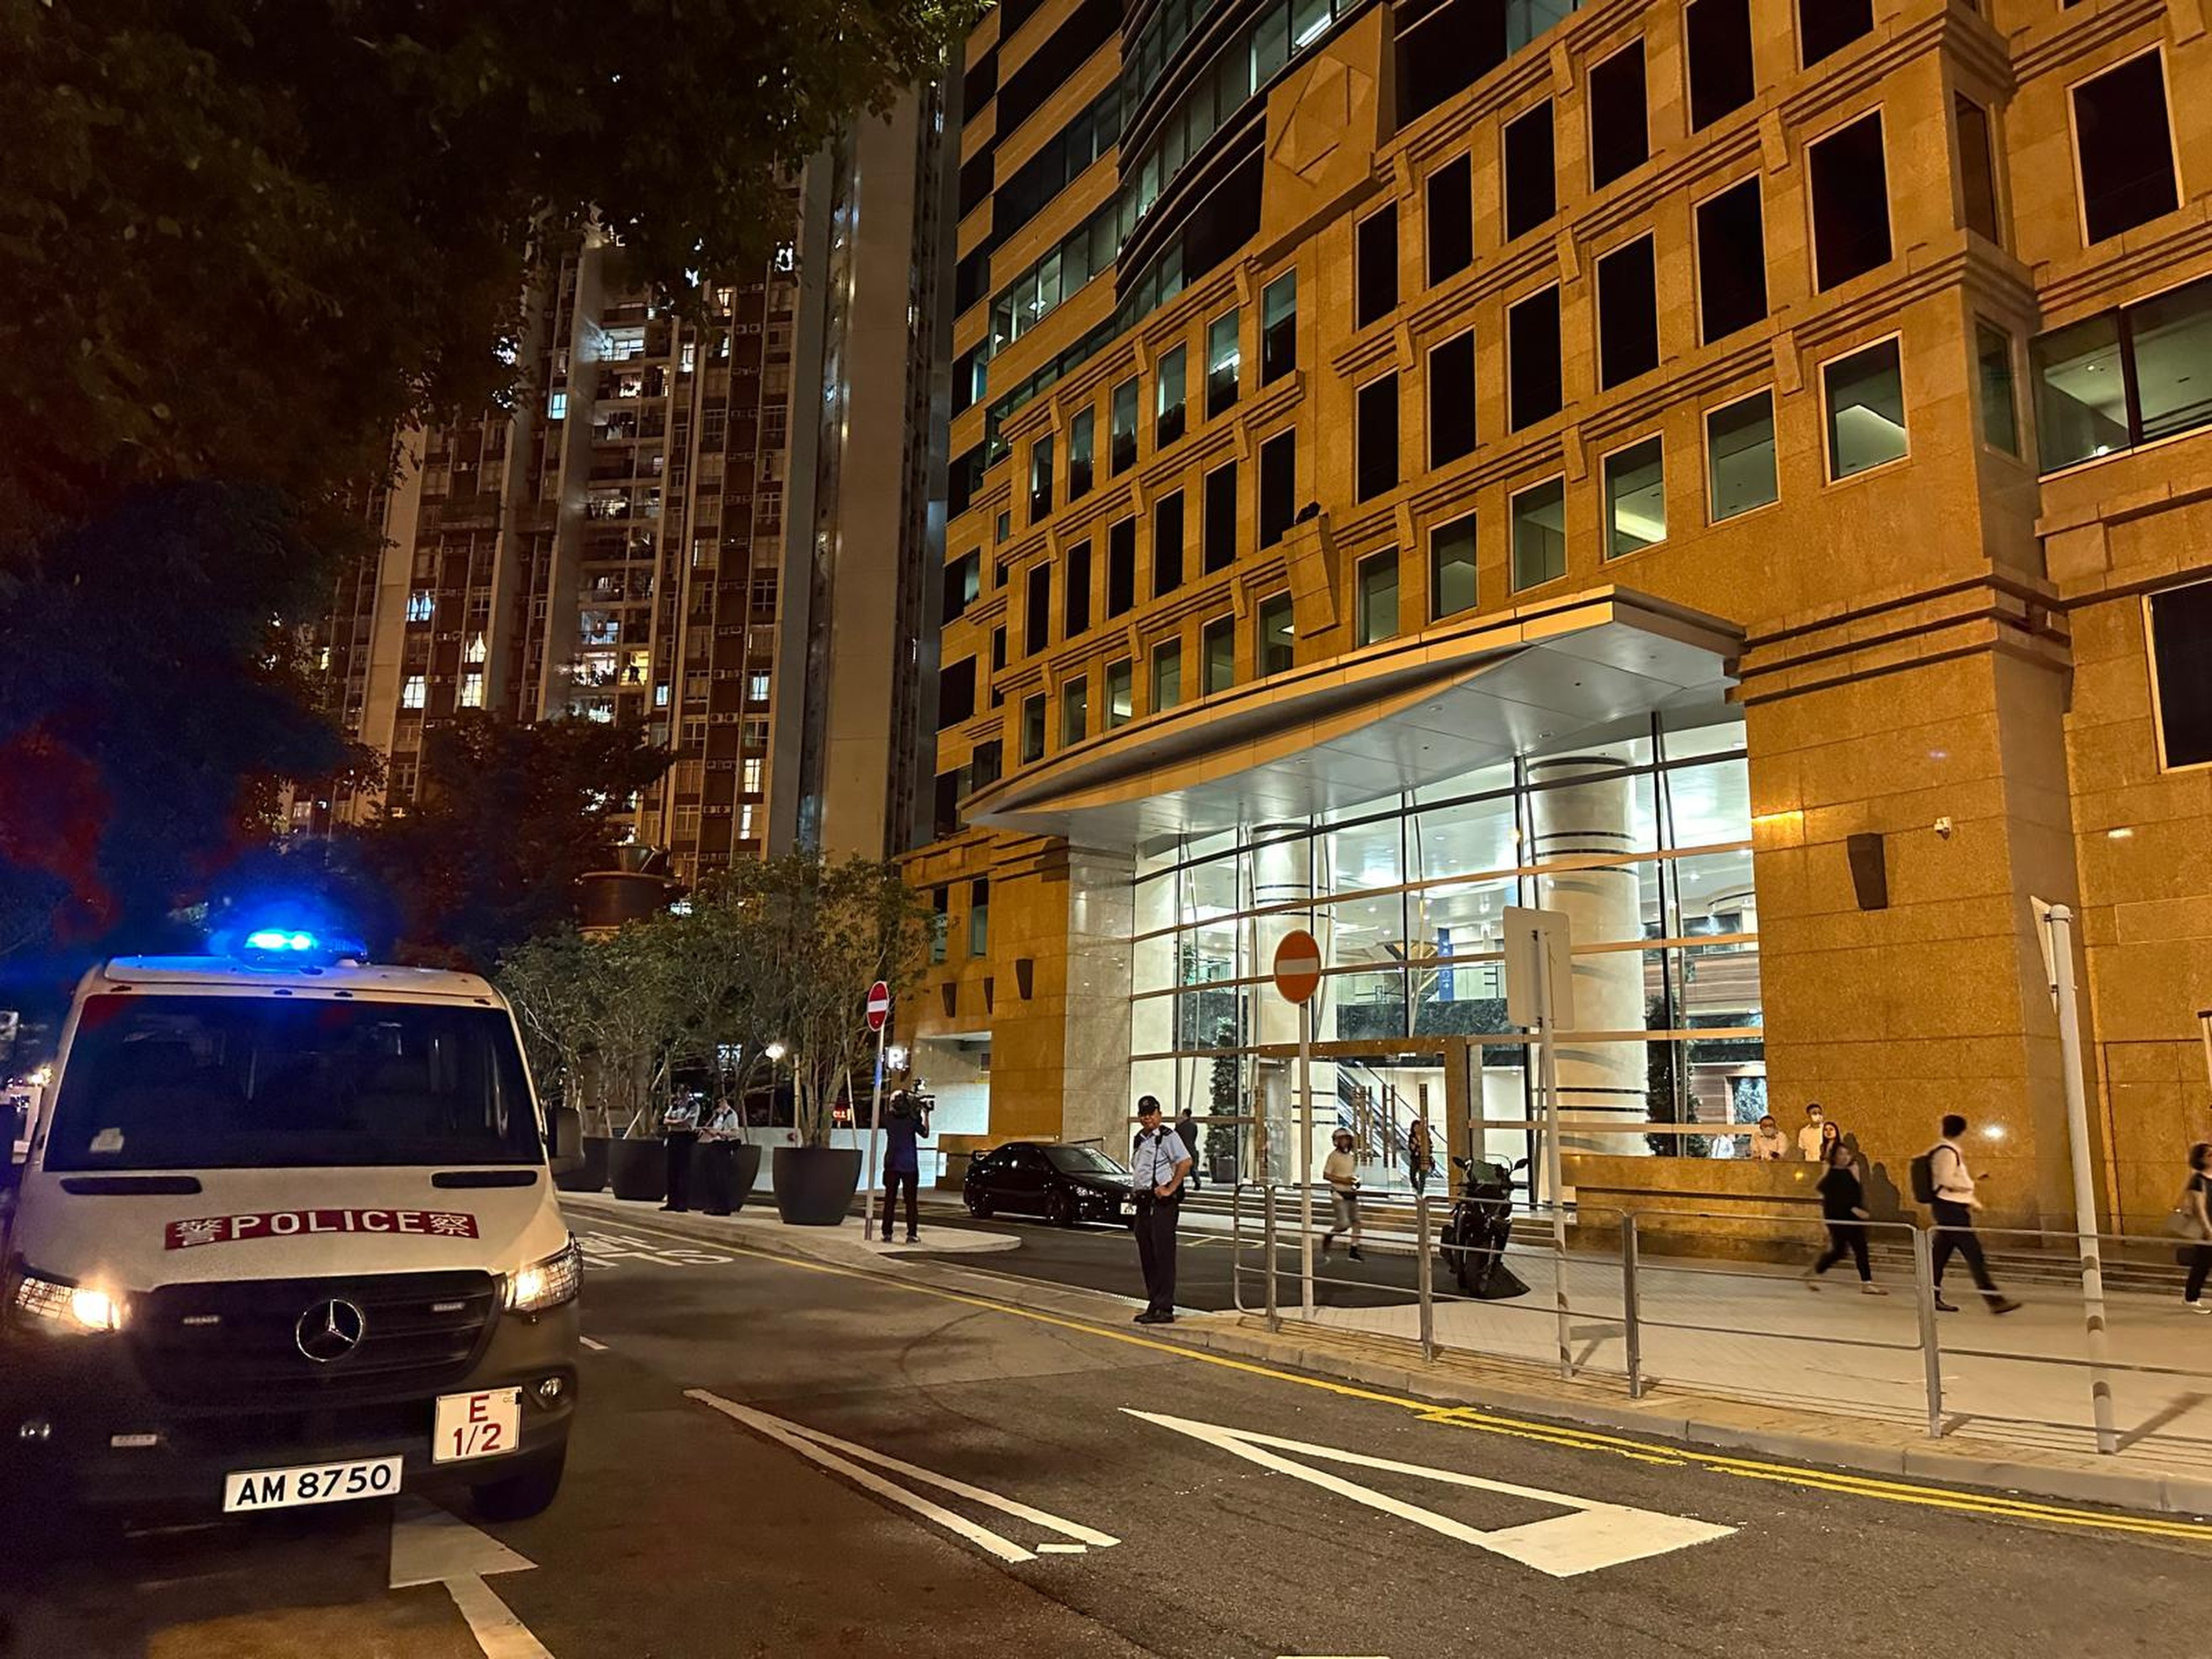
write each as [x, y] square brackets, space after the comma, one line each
[227, 1082]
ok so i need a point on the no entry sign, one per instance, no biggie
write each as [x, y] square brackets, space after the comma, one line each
[1297, 966]
[880, 1005]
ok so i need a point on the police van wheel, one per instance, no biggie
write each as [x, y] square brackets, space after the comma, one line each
[527, 1491]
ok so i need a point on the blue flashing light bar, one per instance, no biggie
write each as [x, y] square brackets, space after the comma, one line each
[275, 938]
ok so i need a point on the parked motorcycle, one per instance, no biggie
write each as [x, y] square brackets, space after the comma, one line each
[1476, 1232]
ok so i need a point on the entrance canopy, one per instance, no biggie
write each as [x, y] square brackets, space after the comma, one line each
[1374, 723]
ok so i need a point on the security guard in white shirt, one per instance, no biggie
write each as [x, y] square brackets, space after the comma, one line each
[1159, 1165]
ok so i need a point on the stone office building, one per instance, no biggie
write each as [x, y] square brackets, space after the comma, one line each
[1735, 472]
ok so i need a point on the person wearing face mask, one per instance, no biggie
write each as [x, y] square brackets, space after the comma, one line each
[1768, 1142]
[1809, 1137]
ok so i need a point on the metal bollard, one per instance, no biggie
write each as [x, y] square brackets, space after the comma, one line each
[1931, 1356]
[1422, 1275]
[1236, 1248]
[1275, 1319]
[1633, 1331]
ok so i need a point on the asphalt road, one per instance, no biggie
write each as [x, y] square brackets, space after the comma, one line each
[761, 1468]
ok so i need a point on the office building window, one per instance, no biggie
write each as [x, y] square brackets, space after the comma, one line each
[1376, 437]
[1074, 712]
[1850, 202]
[979, 918]
[2123, 148]
[963, 579]
[2180, 621]
[1037, 619]
[1279, 486]
[1122, 432]
[955, 692]
[1620, 135]
[1168, 398]
[1539, 534]
[1449, 213]
[1826, 26]
[1217, 652]
[940, 922]
[1218, 534]
[2127, 377]
[1033, 727]
[1003, 528]
[1993, 375]
[1978, 169]
[1119, 694]
[1740, 455]
[998, 651]
[1279, 327]
[1722, 78]
[1532, 191]
[1628, 313]
[1534, 389]
[1225, 356]
[1375, 276]
[1081, 428]
[1167, 675]
[1278, 646]
[1375, 597]
[1167, 544]
[1731, 262]
[1451, 567]
[1451, 399]
[1121, 565]
[1040, 479]
[1075, 589]
[1635, 498]
[1865, 394]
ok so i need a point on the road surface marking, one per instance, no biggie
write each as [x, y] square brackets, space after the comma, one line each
[1063, 1549]
[826, 1449]
[1596, 1534]
[431, 1546]
[596, 1347]
[1994, 1506]
[602, 1250]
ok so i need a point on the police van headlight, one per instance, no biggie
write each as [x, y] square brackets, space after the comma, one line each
[37, 1303]
[547, 1284]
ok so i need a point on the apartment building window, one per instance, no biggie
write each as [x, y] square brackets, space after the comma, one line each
[2127, 377]
[750, 771]
[1532, 186]
[1278, 487]
[1040, 480]
[1451, 399]
[1119, 698]
[1225, 356]
[1993, 375]
[1037, 620]
[1121, 430]
[1978, 168]
[1449, 217]
[1167, 544]
[1535, 386]
[1375, 275]
[757, 686]
[979, 917]
[1033, 727]
[1619, 121]
[1539, 534]
[1081, 429]
[1825, 28]
[1279, 327]
[1731, 261]
[694, 731]
[1635, 498]
[687, 824]
[955, 693]
[1167, 675]
[1451, 567]
[1218, 536]
[963, 582]
[753, 732]
[1865, 395]
[1168, 398]
[1217, 651]
[421, 606]
[1740, 455]
[1722, 76]
[1277, 640]
[1628, 313]
[1850, 202]
[556, 406]
[414, 691]
[2124, 146]
[472, 690]
[2180, 622]
[1120, 566]
[1376, 437]
[1074, 712]
[1375, 597]
[1075, 597]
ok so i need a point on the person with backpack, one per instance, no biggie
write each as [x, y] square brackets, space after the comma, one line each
[1941, 1181]
[1842, 1206]
[2197, 1226]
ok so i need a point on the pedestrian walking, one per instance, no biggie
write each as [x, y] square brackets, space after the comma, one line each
[718, 1154]
[679, 1135]
[906, 1126]
[1420, 1155]
[1187, 1131]
[1158, 1163]
[1842, 1206]
[2196, 1223]
[1341, 1169]
[1811, 1139]
[1768, 1144]
[1948, 1187]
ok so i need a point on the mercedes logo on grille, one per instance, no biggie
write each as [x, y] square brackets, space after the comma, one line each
[330, 1330]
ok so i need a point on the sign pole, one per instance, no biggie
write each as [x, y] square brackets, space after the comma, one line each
[1305, 1158]
[2060, 920]
[879, 1018]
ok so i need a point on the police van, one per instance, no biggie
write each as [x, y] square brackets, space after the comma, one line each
[285, 1233]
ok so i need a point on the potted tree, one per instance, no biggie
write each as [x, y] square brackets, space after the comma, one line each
[547, 981]
[725, 1006]
[632, 1019]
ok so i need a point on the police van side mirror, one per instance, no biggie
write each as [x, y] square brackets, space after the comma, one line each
[565, 1138]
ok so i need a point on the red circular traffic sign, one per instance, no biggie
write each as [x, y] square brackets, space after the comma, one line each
[880, 1005]
[1297, 966]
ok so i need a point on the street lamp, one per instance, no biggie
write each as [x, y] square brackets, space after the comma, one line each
[775, 1052]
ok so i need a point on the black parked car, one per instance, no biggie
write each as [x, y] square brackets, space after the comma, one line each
[1068, 1186]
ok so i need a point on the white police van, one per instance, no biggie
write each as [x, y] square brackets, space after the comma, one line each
[285, 1234]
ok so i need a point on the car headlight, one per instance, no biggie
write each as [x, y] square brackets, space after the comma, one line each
[55, 1305]
[547, 1284]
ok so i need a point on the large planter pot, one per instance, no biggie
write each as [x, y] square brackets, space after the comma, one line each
[592, 1177]
[638, 1169]
[814, 1185]
[725, 1175]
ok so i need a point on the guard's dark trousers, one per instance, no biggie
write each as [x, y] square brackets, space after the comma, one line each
[1156, 1248]
[680, 1147]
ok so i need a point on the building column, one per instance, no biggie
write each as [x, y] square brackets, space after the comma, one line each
[1095, 1098]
